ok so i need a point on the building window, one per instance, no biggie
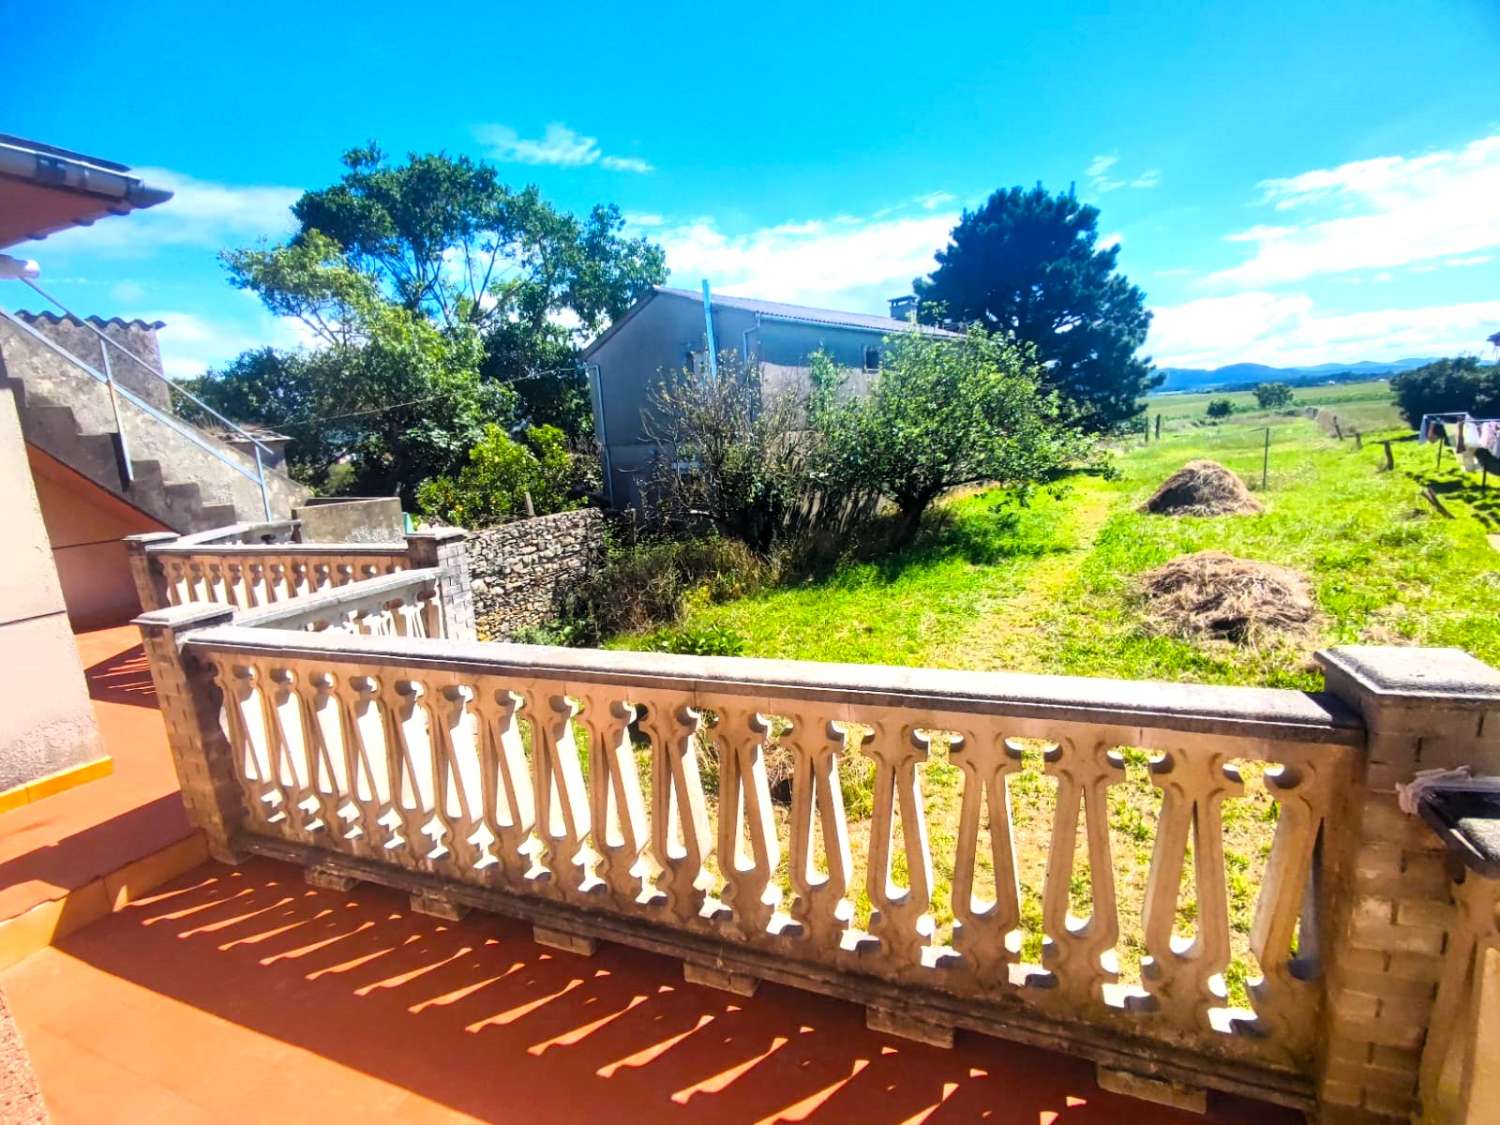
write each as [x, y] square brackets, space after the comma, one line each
[872, 359]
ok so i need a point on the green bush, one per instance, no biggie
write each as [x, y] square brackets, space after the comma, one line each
[649, 584]
[501, 471]
[697, 640]
[1448, 386]
[1220, 408]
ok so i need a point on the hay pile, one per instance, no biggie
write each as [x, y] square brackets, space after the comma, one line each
[1202, 488]
[1212, 594]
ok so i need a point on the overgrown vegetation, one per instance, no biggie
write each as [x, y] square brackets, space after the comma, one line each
[503, 475]
[771, 466]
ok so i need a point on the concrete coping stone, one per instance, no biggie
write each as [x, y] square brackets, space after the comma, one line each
[1196, 708]
[184, 616]
[1418, 674]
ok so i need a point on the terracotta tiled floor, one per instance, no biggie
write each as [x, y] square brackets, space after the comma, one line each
[241, 994]
[61, 843]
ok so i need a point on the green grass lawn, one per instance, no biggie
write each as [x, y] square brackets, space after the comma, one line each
[1049, 588]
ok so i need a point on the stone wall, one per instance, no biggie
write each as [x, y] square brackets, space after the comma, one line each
[522, 571]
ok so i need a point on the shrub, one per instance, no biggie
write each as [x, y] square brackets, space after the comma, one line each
[1447, 386]
[501, 471]
[946, 412]
[1220, 408]
[731, 455]
[1273, 396]
[646, 585]
[697, 640]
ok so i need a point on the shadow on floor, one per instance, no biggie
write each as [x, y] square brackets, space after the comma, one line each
[476, 1017]
[123, 678]
[103, 847]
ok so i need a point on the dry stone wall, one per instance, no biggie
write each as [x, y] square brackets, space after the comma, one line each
[521, 572]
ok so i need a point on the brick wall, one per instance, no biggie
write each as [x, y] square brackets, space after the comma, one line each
[1423, 709]
[521, 572]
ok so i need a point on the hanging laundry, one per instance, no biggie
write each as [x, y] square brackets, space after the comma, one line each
[1489, 435]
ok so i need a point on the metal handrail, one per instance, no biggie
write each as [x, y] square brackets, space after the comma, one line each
[203, 441]
[172, 384]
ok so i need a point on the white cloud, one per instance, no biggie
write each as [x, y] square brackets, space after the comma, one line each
[128, 292]
[1289, 329]
[644, 219]
[1101, 180]
[845, 263]
[192, 343]
[627, 164]
[201, 213]
[558, 145]
[1376, 214]
[1471, 260]
[935, 199]
[1115, 238]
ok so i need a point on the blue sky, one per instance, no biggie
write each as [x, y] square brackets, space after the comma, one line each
[1291, 181]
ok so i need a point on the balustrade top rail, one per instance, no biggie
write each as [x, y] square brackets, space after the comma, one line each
[213, 550]
[1271, 713]
[328, 605]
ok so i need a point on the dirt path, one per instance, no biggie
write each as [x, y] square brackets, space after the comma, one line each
[1001, 636]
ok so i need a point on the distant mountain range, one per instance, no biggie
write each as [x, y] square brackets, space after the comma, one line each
[1248, 374]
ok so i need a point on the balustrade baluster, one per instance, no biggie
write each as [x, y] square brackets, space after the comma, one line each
[409, 761]
[509, 803]
[1073, 950]
[618, 807]
[563, 858]
[290, 749]
[821, 906]
[1178, 973]
[748, 851]
[900, 918]
[681, 842]
[981, 929]
[1291, 890]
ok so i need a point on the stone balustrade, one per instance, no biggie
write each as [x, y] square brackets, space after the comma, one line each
[246, 566]
[626, 797]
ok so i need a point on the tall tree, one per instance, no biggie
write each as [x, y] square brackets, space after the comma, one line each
[385, 394]
[446, 238]
[1028, 262]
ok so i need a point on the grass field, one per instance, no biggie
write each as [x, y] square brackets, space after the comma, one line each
[1364, 406]
[1049, 587]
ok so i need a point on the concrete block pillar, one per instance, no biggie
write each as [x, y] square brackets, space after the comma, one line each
[150, 582]
[190, 703]
[445, 549]
[1392, 913]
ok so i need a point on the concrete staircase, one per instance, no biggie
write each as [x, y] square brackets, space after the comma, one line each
[187, 479]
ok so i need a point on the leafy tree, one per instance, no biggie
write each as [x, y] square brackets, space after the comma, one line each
[445, 237]
[1273, 396]
[1028, 262]
[944, 413]
[1220, 408]
[499, 475]
[1447, 386]
[385, 392]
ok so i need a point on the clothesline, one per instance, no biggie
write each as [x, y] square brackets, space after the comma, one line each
[1471, 436]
